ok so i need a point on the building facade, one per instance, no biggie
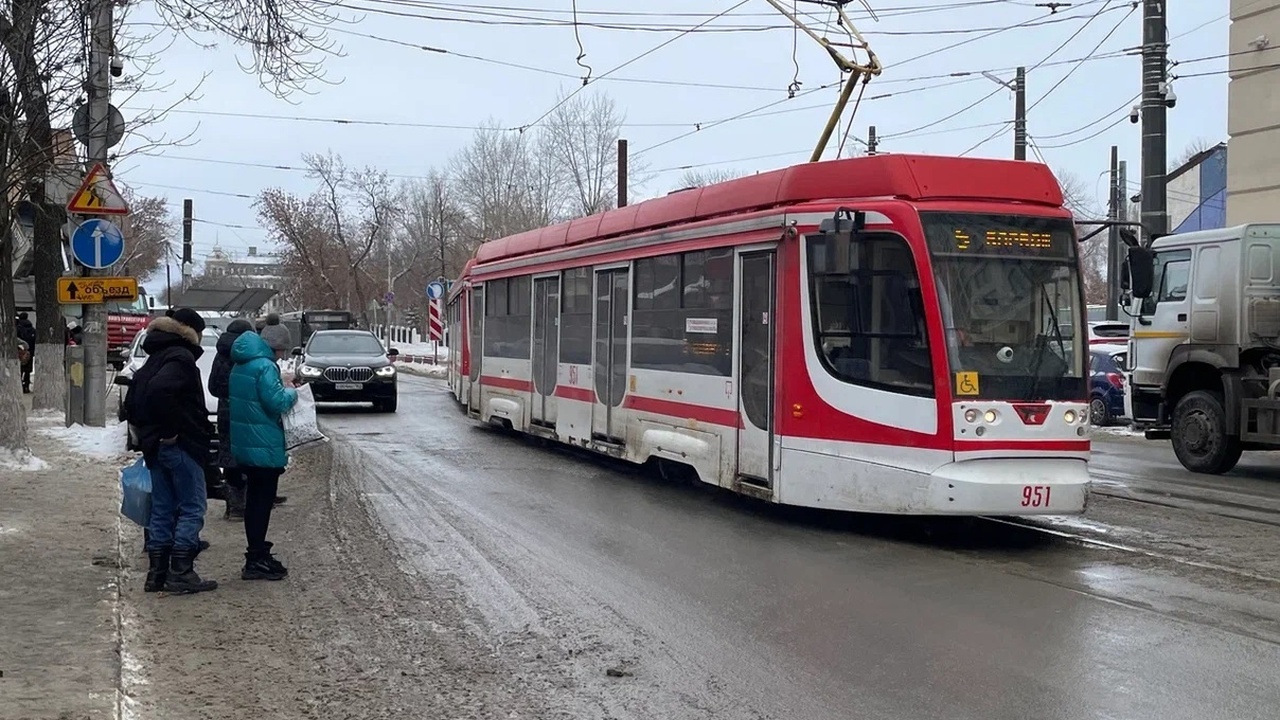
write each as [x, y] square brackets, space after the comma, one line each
[1253, 112]
[253, 269]
[1196, 193]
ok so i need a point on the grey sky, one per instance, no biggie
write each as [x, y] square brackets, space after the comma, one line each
[382, 81]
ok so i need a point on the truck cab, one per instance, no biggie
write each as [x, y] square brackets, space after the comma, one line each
[1203, 364]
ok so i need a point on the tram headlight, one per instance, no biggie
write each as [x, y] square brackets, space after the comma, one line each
[990, 416]
[1070, 417]
[971, 415]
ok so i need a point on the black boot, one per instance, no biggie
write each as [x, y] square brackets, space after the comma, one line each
[182, 574]
[235, 503]
[279, 500]
[158, 572]
[260, 565]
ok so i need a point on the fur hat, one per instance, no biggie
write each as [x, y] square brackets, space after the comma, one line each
[188, 317]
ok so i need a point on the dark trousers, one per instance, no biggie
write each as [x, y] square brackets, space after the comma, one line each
[261, 485]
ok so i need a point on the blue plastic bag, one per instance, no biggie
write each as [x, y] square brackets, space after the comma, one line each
[135, 502]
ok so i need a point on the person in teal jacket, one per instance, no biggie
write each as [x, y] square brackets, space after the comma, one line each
[258, 399]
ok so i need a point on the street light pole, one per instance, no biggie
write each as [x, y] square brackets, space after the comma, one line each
[1019, 88]
[95, 316]
[1155, 99]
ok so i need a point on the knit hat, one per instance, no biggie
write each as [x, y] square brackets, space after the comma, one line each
[188, 317]
[238, 326]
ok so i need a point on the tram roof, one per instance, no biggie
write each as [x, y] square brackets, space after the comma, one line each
[905, 177]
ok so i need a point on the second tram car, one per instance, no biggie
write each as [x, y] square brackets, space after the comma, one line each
[889, 334]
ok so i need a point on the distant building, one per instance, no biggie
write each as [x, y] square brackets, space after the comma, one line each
[1196, 193]
[225, 269]
[1253, 182]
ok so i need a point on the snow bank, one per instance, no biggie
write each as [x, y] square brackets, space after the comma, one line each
[423, 349]
[21, 460]
[431, 371]
[103, 443]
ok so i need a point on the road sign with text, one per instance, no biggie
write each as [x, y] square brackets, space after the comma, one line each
[96, 290]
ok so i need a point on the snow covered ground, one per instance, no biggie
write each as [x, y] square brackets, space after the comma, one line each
[422, 370]
[101, 443]
[421, 349]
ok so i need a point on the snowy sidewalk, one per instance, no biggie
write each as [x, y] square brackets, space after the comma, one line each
[59, 574]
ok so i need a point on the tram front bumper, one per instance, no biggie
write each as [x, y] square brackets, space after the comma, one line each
[1011, 486]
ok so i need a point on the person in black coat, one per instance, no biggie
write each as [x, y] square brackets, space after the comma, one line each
[219, 388]
[27, 334]
[166, 405]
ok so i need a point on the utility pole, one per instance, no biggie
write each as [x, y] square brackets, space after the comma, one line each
[187, 220]
[95, 316]
[1019, 88]
[622, 172]
[1155, 90]
[1020, 115]
[1113, 238]
[871, 140]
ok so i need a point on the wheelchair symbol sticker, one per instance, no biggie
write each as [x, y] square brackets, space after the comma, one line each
[966, 383]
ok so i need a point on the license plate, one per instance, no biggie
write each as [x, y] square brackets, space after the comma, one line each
[1035, 495]
[348, 386]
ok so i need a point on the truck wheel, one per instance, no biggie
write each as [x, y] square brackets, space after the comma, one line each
[1199, 434]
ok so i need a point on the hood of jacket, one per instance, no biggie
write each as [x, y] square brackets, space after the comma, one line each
[165, 332]
[230, 335]
[25, 324]
[249, 347]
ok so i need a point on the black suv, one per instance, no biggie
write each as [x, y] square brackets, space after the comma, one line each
[348, 366]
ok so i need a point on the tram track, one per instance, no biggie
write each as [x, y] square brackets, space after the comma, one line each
[1087, 540]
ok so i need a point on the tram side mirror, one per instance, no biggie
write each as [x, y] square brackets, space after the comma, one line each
[1140, 265]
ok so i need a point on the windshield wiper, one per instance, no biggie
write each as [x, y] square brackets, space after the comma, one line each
[1042, 347]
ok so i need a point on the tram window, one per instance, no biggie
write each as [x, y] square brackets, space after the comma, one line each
[869, 324]
[575, 317]
[683, 315]
[657, 283]
[507, 318]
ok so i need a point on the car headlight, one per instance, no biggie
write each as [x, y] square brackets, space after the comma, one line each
[386, 371]
[309, 371]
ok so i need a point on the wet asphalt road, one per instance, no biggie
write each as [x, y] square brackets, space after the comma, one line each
[712, 606]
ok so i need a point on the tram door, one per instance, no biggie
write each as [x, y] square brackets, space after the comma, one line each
[756, 311]
[475, 348]
[610, 369]
[546, 348]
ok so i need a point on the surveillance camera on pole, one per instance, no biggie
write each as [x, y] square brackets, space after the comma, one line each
[117, 67]
[1135, 114]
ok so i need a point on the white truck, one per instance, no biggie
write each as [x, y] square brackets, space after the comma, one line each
[1203, 366]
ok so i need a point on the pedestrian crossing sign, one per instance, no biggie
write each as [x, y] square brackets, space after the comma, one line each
[98, 195]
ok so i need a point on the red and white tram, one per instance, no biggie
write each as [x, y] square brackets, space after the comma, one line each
[890, 334]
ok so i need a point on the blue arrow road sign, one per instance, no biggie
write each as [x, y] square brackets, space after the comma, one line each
[435, 290]
[97, 244]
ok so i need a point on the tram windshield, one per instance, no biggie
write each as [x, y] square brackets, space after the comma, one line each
[1009, 295]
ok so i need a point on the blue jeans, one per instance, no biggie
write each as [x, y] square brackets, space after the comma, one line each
[178, 500]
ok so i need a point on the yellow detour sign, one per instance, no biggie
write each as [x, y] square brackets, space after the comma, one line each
[95, 290]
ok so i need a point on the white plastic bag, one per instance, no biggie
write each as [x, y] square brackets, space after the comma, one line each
[301, 427]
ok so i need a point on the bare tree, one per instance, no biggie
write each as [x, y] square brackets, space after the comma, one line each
[40, 75]
[581, 137]
[504, 185]
[148, 229]
[1193, 148]
[330, 238]
[1093, 253]
[699, 178]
